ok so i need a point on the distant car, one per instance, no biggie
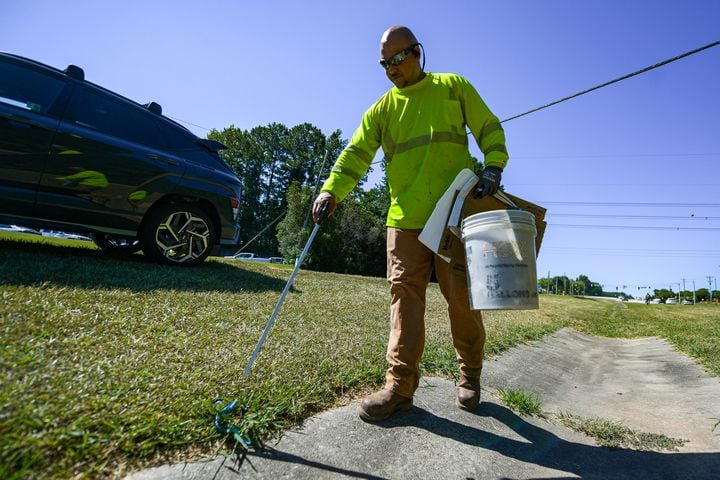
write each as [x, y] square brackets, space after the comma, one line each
[242, 256]
[656, 300]
[71, 236]
[671, 301]
[250, 257]
[76, 157]
[18, 229]
[685, 301]
[277, 260]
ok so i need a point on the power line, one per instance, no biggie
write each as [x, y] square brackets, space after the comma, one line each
[630, 204]
[631, 227]
[620, 253]
[624, 77]
[573, 184]
[636, 250]
[597, 87]
[261, 232]
[188, 123]
[643, 217]
[620, 155]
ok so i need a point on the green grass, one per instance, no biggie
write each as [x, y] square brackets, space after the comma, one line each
[614, 434]
[607, 433]
[521, 402]
[108, 365]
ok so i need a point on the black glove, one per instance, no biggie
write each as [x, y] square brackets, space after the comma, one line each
[489, 182]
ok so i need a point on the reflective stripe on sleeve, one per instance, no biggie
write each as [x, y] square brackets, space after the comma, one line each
[498, 147]
[359, 153]
[490, 128]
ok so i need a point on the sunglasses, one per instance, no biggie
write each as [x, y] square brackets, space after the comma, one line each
[398, 58]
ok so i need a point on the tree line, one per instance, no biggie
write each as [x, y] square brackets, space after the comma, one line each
[563, 285]
[281, 170]
[582, 285]
[701, 294]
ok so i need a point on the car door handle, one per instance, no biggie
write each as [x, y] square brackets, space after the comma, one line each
[159, 158]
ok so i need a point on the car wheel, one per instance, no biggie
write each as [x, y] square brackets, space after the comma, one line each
[116, 244]
[177, 234]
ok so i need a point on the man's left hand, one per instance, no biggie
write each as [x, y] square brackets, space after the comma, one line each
[489, 182]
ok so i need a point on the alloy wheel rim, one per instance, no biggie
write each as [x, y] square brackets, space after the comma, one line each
[183, 236]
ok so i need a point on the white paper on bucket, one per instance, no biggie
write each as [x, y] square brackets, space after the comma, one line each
[448, 211]
[435, 226]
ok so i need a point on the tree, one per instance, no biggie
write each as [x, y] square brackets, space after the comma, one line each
[351, 241]
[663, 293]
[268, 160]
[290, 233]
[591, 288]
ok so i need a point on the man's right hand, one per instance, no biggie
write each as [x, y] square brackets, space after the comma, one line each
[323, 207]
[488, 183]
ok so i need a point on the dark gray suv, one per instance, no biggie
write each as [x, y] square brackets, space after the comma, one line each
[79, 158]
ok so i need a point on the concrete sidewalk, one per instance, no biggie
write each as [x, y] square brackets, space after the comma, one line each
[643, 383]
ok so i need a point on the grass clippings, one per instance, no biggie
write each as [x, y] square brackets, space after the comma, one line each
[615, 434]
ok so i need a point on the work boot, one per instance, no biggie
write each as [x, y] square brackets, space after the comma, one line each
[381, 405]
[468, 393]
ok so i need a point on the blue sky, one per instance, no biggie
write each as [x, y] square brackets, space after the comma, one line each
[652, 139]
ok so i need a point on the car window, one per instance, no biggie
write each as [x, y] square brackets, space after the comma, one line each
[177, 139]
[28, 89]
[105, 114]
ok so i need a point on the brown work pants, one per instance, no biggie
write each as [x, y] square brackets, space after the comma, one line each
[409, 267]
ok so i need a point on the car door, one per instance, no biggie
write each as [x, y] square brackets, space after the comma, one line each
[106, 165]
[29, 115]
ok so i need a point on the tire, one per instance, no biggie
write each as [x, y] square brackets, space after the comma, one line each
[116, 244]
[177, 234]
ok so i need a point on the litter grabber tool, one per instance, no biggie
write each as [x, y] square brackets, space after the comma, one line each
[323, 215]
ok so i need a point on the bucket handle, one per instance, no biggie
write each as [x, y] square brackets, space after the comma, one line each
[506, 200]
[454, 218]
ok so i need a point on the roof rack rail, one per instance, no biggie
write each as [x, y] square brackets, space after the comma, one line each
[154, 108]
[75, 72]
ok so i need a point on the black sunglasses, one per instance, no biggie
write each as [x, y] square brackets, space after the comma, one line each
[398, 58]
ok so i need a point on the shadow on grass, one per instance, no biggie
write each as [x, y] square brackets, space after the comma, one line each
[33, 263]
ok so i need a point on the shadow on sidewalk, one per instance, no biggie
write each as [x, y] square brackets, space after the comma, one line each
[538, 446]
[546, 449]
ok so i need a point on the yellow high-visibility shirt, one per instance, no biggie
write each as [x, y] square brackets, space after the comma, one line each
[421, 129]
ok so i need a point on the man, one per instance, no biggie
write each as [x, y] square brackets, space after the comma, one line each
[420, 124]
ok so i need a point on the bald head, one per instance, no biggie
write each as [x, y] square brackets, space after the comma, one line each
[398, 33]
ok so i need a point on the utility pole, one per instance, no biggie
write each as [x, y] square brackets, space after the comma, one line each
[683, 284]
[693, 292]
[710, 279]
[548, 282]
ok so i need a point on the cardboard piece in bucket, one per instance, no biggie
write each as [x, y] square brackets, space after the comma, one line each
[442, 231]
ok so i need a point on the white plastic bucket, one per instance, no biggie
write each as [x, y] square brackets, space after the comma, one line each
[500, 254]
